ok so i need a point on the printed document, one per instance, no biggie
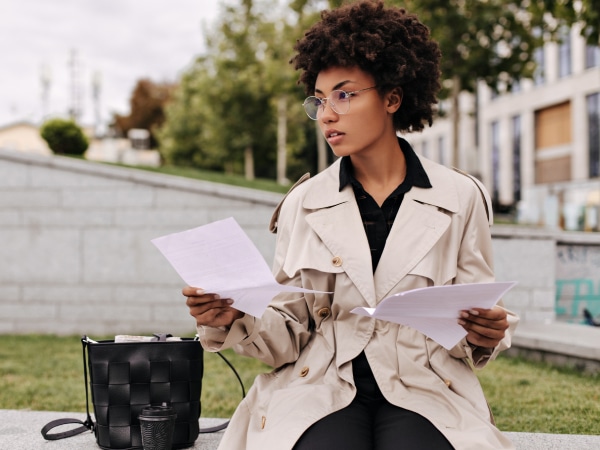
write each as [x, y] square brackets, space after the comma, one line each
[434, 311]
[220, 258]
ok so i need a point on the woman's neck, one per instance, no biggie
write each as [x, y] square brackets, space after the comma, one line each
[380, 171]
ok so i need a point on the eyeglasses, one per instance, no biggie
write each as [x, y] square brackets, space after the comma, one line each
[338, 100]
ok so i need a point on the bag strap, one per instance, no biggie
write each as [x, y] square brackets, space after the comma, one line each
[88, 425]
[225, 424]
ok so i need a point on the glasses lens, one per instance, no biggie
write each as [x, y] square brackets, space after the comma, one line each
[340, 101]
[311, 106]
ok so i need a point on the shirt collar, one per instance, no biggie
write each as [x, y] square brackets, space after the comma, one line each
[415, 173]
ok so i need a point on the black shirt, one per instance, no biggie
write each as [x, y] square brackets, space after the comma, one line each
[378, 220]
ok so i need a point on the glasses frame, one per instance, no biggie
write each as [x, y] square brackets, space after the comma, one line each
[326, 100]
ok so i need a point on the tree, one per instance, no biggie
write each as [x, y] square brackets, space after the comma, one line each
[147, 104]
[185, 136]
[246, 129]
[64, 137]
[227, 91]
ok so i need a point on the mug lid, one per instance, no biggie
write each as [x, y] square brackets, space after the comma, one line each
[157, 410]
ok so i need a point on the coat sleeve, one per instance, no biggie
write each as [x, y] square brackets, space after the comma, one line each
[475, 264]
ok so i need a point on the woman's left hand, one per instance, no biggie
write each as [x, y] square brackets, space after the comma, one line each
[485, 327]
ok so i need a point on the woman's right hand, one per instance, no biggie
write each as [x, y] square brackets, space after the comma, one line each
[209, 309]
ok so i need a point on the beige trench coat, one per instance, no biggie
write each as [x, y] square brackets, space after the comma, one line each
[440, 236]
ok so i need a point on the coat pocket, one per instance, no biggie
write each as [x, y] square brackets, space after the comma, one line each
[458, 375]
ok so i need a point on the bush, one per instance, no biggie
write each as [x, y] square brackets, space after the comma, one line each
[64, 137]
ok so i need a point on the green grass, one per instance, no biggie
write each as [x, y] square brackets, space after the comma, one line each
[262, 184]
[536, 397]
[46, 373]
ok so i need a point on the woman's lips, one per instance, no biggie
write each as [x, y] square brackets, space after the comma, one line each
[334, 136]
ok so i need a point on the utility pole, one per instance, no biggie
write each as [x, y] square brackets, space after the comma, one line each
[96, 91]
[75, 106]
[45, 80]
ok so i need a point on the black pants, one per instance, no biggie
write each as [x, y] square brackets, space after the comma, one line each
[371, 423]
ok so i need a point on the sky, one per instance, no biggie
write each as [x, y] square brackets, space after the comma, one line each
[114, 43]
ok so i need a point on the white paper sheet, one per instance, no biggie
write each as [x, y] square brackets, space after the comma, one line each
[434, 311]
[220, 258]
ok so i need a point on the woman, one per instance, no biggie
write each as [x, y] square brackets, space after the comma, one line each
[379, 221]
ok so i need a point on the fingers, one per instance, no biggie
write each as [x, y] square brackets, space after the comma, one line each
[485, 327]
[209, 309]
[192, 291]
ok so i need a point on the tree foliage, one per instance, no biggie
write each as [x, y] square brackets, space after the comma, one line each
[567, 12]
[480, 40]
[64, 137]
[227, 103]
[146, 105]
[186, 135]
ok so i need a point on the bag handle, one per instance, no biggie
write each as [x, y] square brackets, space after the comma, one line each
[85, 426]
[89, 424]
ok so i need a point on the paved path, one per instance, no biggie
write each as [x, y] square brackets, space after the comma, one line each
[20, 430]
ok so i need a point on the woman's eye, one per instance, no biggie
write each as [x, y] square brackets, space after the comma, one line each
[343, 95]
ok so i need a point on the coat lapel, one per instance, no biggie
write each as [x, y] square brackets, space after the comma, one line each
[336, 220]
[415, 231]
[422, 219]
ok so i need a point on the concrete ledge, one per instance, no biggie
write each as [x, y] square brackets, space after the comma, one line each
[20, 429]
[560, 344]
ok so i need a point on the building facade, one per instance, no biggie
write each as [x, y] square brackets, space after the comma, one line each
[537, 148]
[23, 137]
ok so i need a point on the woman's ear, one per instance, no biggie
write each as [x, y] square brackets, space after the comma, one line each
[394, 100]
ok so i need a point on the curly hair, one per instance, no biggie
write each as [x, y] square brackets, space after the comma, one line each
[386, 42]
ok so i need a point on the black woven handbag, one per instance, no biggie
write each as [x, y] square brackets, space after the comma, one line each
[127, 376]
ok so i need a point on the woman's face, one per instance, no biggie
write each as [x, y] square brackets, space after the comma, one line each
[368, 122]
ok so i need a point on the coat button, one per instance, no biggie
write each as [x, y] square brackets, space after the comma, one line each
[336, 261]
[324, 313]
[304, 371]
[448, 383]
[263, 422]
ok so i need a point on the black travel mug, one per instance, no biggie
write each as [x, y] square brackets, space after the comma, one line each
[157, 424]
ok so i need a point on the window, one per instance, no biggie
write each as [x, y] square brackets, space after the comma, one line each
[516, 150]
[539, 58]
[553, 139]
[495, 135]
[539, 73]
[553, 126]
[592, 56]
[564, 53]
[593, 114]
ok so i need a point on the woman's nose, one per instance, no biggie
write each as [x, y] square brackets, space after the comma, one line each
[328, 114]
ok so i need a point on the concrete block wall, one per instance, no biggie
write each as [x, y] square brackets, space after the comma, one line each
[528, 257]
[76, 256]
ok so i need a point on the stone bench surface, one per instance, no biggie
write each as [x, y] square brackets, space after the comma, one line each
[20, 429]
